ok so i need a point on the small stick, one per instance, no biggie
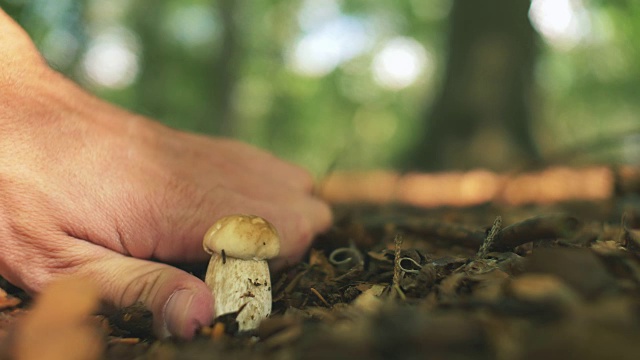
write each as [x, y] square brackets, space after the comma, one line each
[124, 341]
[396, 261]
[316, 293]
[488, 241]
[536, 228]
[397, 268]
[399, 292]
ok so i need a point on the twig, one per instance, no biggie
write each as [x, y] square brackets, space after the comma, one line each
[295, 281]
[396, 260]
[399, 292]
[316, 293]
[537, 228]
[488, 241]
[395, 285]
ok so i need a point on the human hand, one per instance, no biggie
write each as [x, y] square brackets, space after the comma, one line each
[89, 189]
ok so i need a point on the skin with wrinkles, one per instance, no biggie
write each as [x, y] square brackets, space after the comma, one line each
[90, 189]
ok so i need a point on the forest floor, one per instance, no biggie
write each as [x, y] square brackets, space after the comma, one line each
[552, 281]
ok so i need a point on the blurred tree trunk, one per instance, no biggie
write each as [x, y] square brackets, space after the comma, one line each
[172, 82]
[483, 116]
[152, 82]
[226, 68]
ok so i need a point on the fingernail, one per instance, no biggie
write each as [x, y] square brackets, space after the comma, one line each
[176, 313]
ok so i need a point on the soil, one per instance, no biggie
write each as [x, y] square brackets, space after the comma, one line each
[489, 282]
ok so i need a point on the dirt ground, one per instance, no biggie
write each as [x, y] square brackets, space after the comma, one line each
[558, 281]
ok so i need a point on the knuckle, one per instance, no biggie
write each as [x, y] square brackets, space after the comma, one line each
[306, 180]
[303, 229]
[325, 216]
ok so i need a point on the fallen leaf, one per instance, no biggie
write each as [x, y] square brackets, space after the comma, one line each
[7, 301]
[59, 325]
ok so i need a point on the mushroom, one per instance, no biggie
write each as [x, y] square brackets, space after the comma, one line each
[238, 274]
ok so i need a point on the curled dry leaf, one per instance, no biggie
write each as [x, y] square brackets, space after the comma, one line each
[7, 301]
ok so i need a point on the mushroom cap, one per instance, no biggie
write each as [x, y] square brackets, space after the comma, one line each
[243, 237]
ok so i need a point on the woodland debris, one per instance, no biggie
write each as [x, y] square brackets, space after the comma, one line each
[59, 325]
[537, 228]
[581, 269]
[488, 241]
[8, 301]
[546, 287]
[134, 321]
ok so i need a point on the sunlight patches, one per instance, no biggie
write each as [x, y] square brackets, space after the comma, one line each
[112, 59]
[192, 26]
[314, 13]
[324, 48]
[331, 38]
[563, 23]
[400, 63]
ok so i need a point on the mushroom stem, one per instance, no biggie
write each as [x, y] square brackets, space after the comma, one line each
[238, 274]
[236, 282]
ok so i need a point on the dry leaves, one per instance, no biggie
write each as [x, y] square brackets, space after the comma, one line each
[59, 326]
[7, 301]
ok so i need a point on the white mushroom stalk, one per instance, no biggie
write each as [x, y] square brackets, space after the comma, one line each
[238, 273]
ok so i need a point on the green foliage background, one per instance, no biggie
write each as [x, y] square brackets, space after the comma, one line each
[236, 81]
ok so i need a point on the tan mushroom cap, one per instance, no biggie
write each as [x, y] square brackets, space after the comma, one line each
[243, 237]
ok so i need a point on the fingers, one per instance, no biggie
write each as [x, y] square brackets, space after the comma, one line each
[180, 302]
[262, 162]
[276, 190]
[238, 160]
[297, 221]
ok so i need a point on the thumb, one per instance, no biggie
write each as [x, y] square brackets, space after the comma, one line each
[180, 302]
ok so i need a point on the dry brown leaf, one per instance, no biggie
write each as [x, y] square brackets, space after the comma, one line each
[369, 301]
[317, 258]
[541, 288]
[59, 325]
[7, 301]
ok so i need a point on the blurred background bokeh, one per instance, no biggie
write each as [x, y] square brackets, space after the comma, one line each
[365, 84]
